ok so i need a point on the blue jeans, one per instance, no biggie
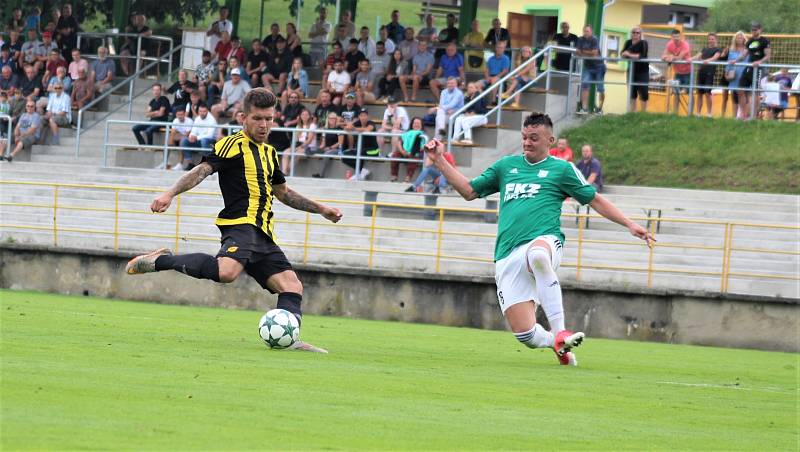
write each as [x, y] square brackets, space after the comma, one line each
[433, 173]
[201, 143]
[596, 74]
[147, 129]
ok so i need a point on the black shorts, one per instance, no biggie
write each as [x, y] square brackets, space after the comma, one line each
[640, 91]
[705, 78]
[255, 250]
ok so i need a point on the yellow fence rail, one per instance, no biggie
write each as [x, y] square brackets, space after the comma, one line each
[440, 231]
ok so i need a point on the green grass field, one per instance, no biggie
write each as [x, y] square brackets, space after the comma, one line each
[80, 372]
[668, 151]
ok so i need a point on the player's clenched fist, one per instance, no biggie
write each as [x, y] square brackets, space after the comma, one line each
[161, 203]
[332, 214]
[435, 147]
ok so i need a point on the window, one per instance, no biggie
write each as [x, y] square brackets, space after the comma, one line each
[688, 20]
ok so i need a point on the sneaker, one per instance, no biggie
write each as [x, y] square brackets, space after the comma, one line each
[436, 190]
[410, 189]
[565, 341]
[598, 111]
[306, 347]
[317, 176]
[161, 166]
[581, 111]
[364, 174]
[146, 263]
[177, 167]
[9, 159]
[567, 359]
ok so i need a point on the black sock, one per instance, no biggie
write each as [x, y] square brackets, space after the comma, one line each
[291, 302]
[196, 265]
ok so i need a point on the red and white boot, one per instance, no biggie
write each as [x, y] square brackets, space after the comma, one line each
[565, 341]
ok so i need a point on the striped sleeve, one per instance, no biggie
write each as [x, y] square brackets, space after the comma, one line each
[575, 185]
[228, 147]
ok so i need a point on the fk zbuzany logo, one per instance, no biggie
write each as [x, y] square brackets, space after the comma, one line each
[517, 191]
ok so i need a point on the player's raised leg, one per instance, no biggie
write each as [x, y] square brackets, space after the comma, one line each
[290, 297]
[196, 265]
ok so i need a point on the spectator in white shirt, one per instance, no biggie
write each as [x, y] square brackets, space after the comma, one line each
[215, 30]
[319, 38]
[338, 82]
[59, 112]
[199, 137]
[181, 127]
[77, 64]
[365, 43]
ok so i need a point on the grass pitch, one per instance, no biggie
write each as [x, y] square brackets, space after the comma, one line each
[80, 372]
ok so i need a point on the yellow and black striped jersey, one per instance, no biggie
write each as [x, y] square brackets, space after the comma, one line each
[248, 171]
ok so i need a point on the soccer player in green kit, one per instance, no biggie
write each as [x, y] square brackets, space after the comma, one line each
[528, 249]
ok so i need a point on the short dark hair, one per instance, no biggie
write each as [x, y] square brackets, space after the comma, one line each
[353, 41]
[258, 98]
[675, 31]
[206, 53]
[538, 119]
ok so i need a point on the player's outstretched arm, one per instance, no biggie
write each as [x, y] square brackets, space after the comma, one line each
[185, 183]
[435, 149]
[607, 209]
[297, 201]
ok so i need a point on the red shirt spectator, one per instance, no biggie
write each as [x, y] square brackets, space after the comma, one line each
[223, 49]
[562, 150]
[679, 50]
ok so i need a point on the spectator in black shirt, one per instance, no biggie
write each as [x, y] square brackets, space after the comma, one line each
[31, 84]
[705, 75]
[323, 107]
[348, 114]
[67, 29]
[257, 60]
[237, 121]
[636, 49]
[181, 89]
[193, 107]
[278, 66]
[496, 34]
[270, 43]
[330, 143]
[564, 39]
[291, 113]
[157, 110]
[757, 51]
[446, 36]
[353, 57]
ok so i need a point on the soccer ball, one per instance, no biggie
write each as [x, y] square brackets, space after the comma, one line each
[279, 328]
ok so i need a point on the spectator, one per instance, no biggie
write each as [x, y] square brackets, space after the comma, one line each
[474, 40]
[205, 73]
[193, 107]
[594, 71]
[8, 80]
[379, 62]
[677, 49]
[291, 112]
[451, 64]
[447, 36]
[306, 140]
[5, 109]
[590, 168]
[202, 135]
[429, 170]
[353, 57]
[364, 83]
[217, 83]
[34, 20]
[30, 51]
[138, 26]
[348, 115]
[450, 101]
[27, 132]
[17, 104]
[395, 119]
[496, 68]
[389, 43]
[636, 48]
[16, 23]
[59, 79]
[562, 150]
[733, 73]
[337, 55]
[342, 38]
[55, 15]
[496, 35]
[330, 142]
[279, 64]
[784, 81]
[180, 129]
[6, 61]
[82, 90]
[770, 97]
[293, 44]
[237, 124]
[68, 28]
[45, 50]
[31, 84]
[409, 146]
[347, 23]
[233, 93]
[523, 77]
[103, 70]
[157, 111]
[181, 90]
[223, 24]
[562, 60]
[271, 40]
[324, 106]
[365, 43]
[795, 93]
[338, 82]
[757, 52]
[77, 64]
[58, 112]
[14, 47]
[409, 46]
[396, 31]
[54, 62]
[223, 48]
[296, 82]
[422, 70]
[369, 146]
[705, 75]
[475, 116]
[237, 51]
[388, 85]
[429, 32]
[319, 37]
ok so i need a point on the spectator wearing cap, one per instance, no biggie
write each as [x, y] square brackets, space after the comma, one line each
[270, 41]
[451, 64]
[450, 100]
[591, 168]
[58, 112]
[279, 64]
[233, 93]
[364, 83]
[318, 34]
[257, 60]
[338, 82]
[103, 70]
[353, 57]
[45, 47]
[348, 114]
[223, 24]
[422, 70]
[82, 90]
[157, 111]
[562, 150]
[369, 146]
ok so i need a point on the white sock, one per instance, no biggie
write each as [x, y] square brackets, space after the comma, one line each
[547, 287]
[536, 337]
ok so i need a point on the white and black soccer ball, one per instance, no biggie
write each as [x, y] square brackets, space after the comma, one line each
[279, 328]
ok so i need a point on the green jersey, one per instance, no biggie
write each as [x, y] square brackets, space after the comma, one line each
[531, 195]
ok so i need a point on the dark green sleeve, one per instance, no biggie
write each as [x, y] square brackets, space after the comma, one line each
[576, 186]
[488, 182]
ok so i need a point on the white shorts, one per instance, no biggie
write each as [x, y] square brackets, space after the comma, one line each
[515, 283]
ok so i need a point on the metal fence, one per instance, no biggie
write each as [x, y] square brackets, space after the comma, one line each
[441, 230]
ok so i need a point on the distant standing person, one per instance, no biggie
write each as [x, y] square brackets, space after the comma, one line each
[757, 52]
[677, 49]
[590, 167]
[319, 38]
[214, 32]
[636, 49]
[564, 39]
[594, 71]
[705, 75]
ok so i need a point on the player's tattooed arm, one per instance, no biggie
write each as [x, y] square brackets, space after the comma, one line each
[297, 201]
[185, 183]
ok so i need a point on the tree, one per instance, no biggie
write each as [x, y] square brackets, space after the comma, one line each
[294, 4]
[776, 16]
[158, 10]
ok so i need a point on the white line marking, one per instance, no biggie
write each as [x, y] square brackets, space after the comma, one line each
[715, 386]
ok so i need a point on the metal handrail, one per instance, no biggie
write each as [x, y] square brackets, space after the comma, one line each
[7, 118]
